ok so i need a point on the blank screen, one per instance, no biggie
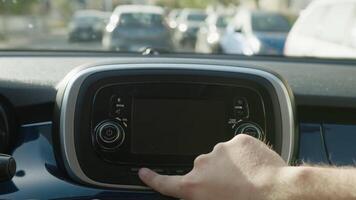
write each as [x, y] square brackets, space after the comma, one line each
[176, 127]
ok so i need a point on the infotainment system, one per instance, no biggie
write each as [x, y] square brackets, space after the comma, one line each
[169, 124]
[115, 119]
[176, 126]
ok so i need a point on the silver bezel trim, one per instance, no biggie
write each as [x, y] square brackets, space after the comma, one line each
[36, 124]
[74, 83]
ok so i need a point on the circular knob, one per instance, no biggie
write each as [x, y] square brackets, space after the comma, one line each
[251, 129]
[109, 135]
[7, 167]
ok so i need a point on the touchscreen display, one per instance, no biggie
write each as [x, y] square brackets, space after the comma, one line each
[177, 127]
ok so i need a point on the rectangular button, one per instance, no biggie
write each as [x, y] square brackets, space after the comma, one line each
[240, 107]
[180, 171]
[159, 171]
[117, 106]
[239, 102]
[135, 170]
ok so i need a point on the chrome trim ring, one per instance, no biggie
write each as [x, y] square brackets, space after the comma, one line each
[98, 136]
[247, 125]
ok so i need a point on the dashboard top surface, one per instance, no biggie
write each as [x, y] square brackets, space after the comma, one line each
[32, 80]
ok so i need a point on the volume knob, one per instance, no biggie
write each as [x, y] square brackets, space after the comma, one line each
[109, 135]
[251, 129]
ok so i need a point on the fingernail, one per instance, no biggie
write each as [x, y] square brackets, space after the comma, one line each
[143, 172]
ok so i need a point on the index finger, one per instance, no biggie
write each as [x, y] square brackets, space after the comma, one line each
[166, 185]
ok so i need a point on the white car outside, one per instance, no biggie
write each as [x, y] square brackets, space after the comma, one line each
[326, 28]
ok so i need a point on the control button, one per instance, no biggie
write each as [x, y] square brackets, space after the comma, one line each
[117, 111]
[171, 172]
[178, 171]
[135, 170]
[109, 135]
[251, 129]
[240, 107]
[239, 103]
[159, 170]
[118, 99]
[117, 106]
[181, 171]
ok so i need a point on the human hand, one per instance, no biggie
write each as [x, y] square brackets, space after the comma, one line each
[242, 168]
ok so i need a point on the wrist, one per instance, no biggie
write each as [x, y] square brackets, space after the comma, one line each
[291, 183]
[281, 183]
[267, 186]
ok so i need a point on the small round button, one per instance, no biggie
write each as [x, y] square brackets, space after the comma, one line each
[109, 135]
[250, 129]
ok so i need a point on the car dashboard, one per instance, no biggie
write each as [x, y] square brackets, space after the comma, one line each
[79, 127]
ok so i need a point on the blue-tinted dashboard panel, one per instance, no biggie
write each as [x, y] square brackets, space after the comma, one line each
[311, 146]
[322, 143]
[38, 177]
[340, 141]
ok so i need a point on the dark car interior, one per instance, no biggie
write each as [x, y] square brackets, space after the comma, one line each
[77, 122]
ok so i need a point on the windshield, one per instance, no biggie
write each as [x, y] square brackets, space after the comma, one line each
[174, 14]
[87, 20]
[222, 22]
[293, 28]
[196, 17]
[140, 19]
[269, 22]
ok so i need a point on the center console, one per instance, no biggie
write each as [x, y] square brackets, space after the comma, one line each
[115, 118]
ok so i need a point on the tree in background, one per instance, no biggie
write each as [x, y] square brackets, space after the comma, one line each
[229, 2]
[65, 8]
[195, 3]
[18, 7]
[14, 7]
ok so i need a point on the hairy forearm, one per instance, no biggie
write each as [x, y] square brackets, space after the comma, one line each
[311, 183]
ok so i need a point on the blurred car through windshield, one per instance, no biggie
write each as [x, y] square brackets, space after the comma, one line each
[87, 25]
[173, 18]
[323, 28]
[256, 32]
[189, 22]
[136, 27]
[209, 34]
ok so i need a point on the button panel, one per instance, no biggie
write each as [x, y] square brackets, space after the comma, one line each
[240, 108]
[164, 171]
[117, 105]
